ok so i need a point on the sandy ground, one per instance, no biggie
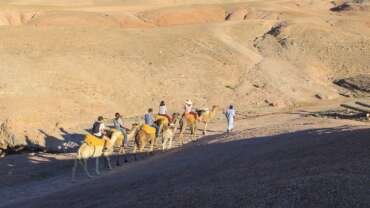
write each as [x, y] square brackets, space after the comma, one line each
[67, 62]
[278, 160]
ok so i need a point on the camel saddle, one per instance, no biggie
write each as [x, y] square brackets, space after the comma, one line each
[191, 116]
[160, 117]
[94, 141]
[148, 129]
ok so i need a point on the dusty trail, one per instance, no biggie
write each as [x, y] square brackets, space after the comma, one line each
[206, 173]
[248, 56]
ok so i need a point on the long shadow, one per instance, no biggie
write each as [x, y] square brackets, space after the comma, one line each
[327, 167]
[69, 142]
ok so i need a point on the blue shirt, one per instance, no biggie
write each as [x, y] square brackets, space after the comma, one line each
[148, 119]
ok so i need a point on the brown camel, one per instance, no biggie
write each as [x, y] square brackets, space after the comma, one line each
[145, 134]
[103, 148]
[205, 115]
[162, 122]
[188, 119]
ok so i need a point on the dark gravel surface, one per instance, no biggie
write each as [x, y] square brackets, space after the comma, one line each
[310, 168]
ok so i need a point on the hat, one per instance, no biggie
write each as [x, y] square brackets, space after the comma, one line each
[188, 102]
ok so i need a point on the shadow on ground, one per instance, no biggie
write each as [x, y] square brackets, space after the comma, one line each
[312, 168]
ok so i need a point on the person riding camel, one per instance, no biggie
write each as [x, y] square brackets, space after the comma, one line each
[163, 111]
[148, 119]
[118, 124]
[189, 108]
[99, 128]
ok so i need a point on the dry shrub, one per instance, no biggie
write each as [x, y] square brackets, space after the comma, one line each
[6, 137]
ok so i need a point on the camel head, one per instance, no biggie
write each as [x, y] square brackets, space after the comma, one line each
[214, 109]
[175, 117]
[134, 126]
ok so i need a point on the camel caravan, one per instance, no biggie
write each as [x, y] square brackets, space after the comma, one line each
[103, 141]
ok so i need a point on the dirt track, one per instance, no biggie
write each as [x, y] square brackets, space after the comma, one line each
[284, 160]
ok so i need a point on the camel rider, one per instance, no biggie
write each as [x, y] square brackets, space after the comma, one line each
[99, 127]
[230, 114]
[148, 118]
[118, 124]
[189, 108]
[163, 111]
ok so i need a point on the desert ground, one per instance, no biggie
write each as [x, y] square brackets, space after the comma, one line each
[279, 62]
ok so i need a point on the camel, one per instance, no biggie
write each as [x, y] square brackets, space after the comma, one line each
[205, 115]
[144, 135]
[162, 122]
[169, 132]
[87, 151]
[188, 119]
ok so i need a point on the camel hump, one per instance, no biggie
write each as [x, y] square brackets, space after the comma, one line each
[93, 140]
[201, 111]
[204, 109]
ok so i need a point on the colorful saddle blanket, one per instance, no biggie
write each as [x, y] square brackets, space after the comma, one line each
[148, 129]
[191, 117]
[160, 117]
[94, 141]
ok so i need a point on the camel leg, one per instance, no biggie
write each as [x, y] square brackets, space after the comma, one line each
[182, 129]
[84, 164]
[97, 166]
[164, 141]
[194, 133]
[170, 143]
[124, 155]
[118, 163]
[154, 140]
[121, 152]
[160, 131]
[141, 147]
[74, 168]
[134, 151]
[108, 162]
[205, 128]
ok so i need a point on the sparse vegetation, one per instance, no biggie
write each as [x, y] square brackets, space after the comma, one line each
[6, 137]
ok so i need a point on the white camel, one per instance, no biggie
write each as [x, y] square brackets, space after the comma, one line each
[169, 132]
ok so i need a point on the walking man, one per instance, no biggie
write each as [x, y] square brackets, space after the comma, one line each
[230, 114]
